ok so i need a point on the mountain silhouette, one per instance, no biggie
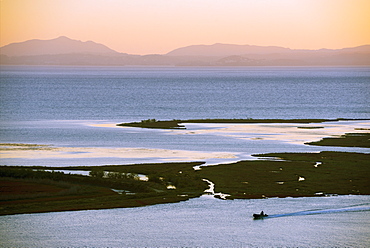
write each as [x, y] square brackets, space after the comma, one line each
[65, 51]
[222, 50]
[60, 45]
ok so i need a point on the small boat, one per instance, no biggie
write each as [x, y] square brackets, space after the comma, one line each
[259, 216]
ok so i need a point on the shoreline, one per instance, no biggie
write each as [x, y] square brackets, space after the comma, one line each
[257, 138]
[176, 124]
[301, 174]
[294, 175]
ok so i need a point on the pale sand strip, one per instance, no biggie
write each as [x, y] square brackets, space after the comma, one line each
[111, 125]
[44, 152]
[290, 133]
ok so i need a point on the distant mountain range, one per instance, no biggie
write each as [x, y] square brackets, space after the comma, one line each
[61, 45]
[223, 50]
[65, 51]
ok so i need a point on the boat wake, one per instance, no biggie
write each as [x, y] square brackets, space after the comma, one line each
[356, 208]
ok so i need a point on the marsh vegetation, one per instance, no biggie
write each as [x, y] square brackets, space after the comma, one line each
[36, 189]
[348, 140]
[31, 189]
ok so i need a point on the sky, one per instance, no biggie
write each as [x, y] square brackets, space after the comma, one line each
[159, 26]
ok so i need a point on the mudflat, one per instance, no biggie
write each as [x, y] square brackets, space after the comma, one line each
[36, 189]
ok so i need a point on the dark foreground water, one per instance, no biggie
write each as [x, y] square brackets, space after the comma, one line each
[341, 221]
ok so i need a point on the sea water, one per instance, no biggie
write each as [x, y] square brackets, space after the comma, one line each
[79, 106]
[337, 221]
[135, 93]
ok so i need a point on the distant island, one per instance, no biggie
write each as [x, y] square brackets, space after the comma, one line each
[176, 124]
[66, 51]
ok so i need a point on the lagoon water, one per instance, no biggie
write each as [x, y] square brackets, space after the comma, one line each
[341, 221]
[74, 110]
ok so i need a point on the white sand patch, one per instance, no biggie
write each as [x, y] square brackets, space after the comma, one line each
[110, 125]
[317, 164]
[294, 133]
[300, 179]
[285, 132]
[44, 152]
[211, 190]
[171, 187]
[258, 133]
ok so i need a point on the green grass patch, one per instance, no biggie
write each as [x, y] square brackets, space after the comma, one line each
[32, 189]
[338, 173]
[153, 123]
[295, 175]
[310, 127]
[347, 140]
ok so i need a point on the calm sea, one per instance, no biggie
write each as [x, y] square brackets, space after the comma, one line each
[341, 221]
[127, 94]
[69, 107]
[62, 106]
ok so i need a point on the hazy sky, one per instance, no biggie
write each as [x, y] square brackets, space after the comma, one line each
[159, 26]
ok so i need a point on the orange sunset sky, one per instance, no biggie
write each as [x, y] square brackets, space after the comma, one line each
[159, 26]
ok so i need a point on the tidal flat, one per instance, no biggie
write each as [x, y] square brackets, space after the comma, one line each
[33, 189]
[177, 124]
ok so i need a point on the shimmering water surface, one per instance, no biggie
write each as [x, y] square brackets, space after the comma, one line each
[126, 94]
[73, 110]
[341, 221]
[79, 106]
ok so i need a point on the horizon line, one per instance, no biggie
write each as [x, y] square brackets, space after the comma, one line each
[216, 43]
